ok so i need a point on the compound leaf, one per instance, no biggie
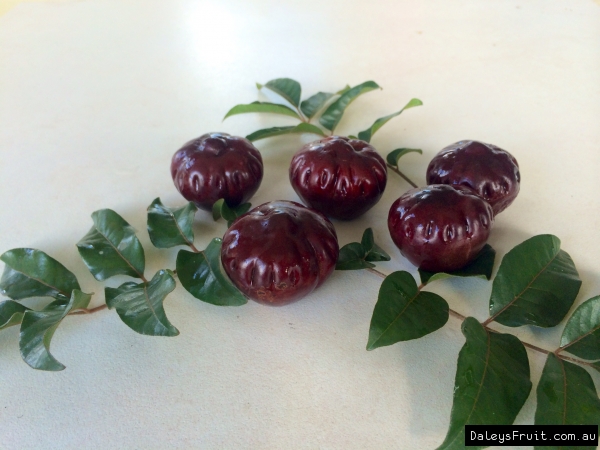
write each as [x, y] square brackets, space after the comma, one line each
[314, 103]
[481, 267]
[373, 252]
[492, 382]
[32, 273]
[11, 313]
[334, 112]
[352, 257]
[402, 312]
[278, 131]
[394, 156]
[111, 247]
[566, 395]
[202, 276]
[367, 134]
[140, 306]
[262, 107]
[581, 335]
[536, 284]
[286, 87]
[38, 327]
[171, 227]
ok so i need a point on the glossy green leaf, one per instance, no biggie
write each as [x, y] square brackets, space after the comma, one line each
[171, 227]
[343, 90]
[492, 382]
[481, 267]
[334, 112]
[32, 273]
[202, 276]
[313, 104]
[581, 335]
[402, 312]
[38, 327]
[140, 306]
[536, 284]
[367, 134]
[111, 247]
[220, 209]
[373, 252]
[262, 107]
[566, 395]
[278, 131]
[286, 87]
[352, 257]
[394, 156]
[11, 313]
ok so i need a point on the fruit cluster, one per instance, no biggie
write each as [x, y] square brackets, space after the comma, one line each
[280, 251]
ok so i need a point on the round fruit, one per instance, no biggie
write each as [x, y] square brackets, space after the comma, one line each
[338, 176]
[440, 228]
[279, 252]
[492, 173]
[215, 166]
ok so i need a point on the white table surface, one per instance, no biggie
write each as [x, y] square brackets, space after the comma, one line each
[95, 97]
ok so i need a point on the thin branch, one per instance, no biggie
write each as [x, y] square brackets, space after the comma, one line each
[485, 325]
[408, 180]
[573, 360]
[78, 312]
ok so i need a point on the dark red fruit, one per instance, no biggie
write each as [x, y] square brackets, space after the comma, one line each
[492, 173]
[279, 252]
[338, 176]
[440, 228]
[217, 165]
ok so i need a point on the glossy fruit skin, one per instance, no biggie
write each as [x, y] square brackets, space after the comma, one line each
[341, 177]
[440, 228]
[279, 252]
[215, 166]
[488, 170]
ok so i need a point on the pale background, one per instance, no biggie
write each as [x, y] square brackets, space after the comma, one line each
[95, 97]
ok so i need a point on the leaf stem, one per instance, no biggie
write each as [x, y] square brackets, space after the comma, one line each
[78, 312]
[485, 325]
[408, 180]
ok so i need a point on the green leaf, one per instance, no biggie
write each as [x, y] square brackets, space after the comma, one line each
[32, 273]
[373, 251]
[313, 104]
[367, 134]
[171, 227]
[38, 327]
[333, 114]
[492, 382]
[394, 156]
[229, 213]
[481, 267]
[111, 247]
[581, 335]
[140, 306]
[278, 131]
[262, 107]
[286, 87]
[356, 256]
[536, 284]
[566, 395]
[11, 313]
[202, 276]
[403, 312]
[343, 90]
[352, 257]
